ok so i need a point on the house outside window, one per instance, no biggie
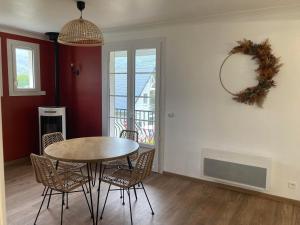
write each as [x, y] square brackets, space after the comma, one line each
[23, 68]
[145, 98]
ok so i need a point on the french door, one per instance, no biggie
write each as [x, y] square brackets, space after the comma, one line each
[132, 79]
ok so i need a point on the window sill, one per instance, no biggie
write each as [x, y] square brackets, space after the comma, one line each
[28, 93]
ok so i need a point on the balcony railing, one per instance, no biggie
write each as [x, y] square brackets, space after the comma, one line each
[144, 124]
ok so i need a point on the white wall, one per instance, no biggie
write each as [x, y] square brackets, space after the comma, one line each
[205, 115]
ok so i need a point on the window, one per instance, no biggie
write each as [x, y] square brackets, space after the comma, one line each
[23, 68]
[131, 74]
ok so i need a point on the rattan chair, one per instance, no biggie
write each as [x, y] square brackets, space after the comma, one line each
[126, 179]
[51, 138]
[55, 137]
[123, 162]
[54, 180]
[131, 135]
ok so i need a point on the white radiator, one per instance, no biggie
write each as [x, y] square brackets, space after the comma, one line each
[246, 171]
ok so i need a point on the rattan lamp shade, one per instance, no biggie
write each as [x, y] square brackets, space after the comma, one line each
[80, 32]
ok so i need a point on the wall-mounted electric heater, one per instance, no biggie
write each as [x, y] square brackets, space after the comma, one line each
[51, 119]
[242, 170]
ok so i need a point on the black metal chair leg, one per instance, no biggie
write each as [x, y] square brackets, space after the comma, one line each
[147, 198]
[84, 183]
[44, 191]
[87, 201]
[105, 202]
[67, 197]
[56, 166]
[123, 203]
[45, 195]
[135, 192]
[130, 206]
[121, 193]
[129, 163]
[62, 208]
[49, 199]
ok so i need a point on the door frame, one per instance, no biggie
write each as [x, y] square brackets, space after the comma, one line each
[160, 95]
[2, 181]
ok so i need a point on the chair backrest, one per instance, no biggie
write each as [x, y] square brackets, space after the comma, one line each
[130, 134]
[45, 172]
[51, 138]
[143, 166]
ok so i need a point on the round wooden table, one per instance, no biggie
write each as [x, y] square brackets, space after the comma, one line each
[92, 150]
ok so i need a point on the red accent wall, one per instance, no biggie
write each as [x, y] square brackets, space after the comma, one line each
[19, 113]
[82, 94]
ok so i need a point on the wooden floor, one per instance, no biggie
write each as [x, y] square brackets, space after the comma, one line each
[176, 201]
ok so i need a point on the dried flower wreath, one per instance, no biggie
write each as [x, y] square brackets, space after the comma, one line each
[268, 67]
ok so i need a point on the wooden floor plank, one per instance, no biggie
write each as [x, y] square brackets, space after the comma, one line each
[176, 201]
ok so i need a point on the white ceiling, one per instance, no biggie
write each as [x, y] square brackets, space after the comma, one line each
[50, 15]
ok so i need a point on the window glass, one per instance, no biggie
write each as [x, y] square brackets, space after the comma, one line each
[118, 61]
[24, 69]
[145, 60]
[145, 85]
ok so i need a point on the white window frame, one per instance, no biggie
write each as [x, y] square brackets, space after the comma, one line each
[12, 75]
[130, 45]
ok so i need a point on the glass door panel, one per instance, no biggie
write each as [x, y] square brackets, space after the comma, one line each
[118, 78]
[145, 95]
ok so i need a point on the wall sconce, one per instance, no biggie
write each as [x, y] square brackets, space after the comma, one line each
[75, 69]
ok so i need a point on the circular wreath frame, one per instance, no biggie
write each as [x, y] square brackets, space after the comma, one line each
[268, 67]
